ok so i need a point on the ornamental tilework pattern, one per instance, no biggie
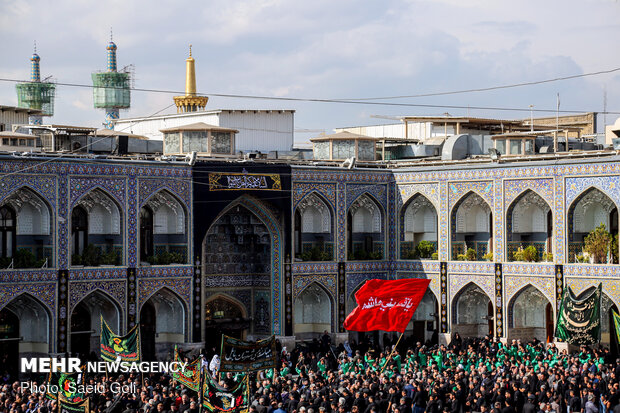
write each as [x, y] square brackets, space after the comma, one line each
[609, 185]
[44, 292]
[458, 281]
[378, 192]
[44, 186]
[498, 223]
[28, 276]
[115, 290]
[458, 189]
[115, 187]
[444, 224]
[178, 187]
[591, 270]
[341, 221]
[428, 190]
[314, 267]
[471, 267]
[610, 287]
[515, 187]
[132, 223]
[529, 269]
[559, 219]
[165, 271]
[300, 190]
[97, 273]
[513, 285]
[182, 287]
[326, 281]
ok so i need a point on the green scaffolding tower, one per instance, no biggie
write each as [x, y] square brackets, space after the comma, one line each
[36, 94]
[111, 89]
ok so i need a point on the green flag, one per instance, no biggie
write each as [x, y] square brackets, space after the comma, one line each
[67, 407]
[219, 400]
[616, 318]
[190, 376]
[65, 386]
[579, 320]
[113, 347]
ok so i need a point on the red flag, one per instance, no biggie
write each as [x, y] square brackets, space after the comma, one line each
[386, 305]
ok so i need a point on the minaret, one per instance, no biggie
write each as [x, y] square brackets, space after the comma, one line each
[190, 102]
[36, 94]
[111, 89]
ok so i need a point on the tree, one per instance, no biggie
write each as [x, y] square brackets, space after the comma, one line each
[597, 244]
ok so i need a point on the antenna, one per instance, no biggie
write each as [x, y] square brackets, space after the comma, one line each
[111, 34]
[35, 46]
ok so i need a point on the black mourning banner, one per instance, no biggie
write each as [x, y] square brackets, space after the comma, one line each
[240, 356]
[228, 181]
[579, 321]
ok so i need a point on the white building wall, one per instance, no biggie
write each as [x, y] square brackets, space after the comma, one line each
[259, 130]
[8, 118]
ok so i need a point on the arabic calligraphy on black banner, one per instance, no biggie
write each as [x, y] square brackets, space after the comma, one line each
[244, 181]
[579, 318]
[238, 355]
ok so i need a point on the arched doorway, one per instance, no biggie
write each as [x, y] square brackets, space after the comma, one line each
[471, 226]
[166, 312]
[224, 315]
[529, 223]
[86, 322]
[532, 316]
[239, 243]
[470, 312]
[423, 327]
[9, 346]
[314, 239]
[365, 239]
[419, 223]
[312, 312]
[591, 209]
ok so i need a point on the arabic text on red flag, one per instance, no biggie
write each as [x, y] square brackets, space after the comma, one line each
[386, 305]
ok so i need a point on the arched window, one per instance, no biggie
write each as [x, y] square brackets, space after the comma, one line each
[146, 233]
[79, 229]
[7, 231]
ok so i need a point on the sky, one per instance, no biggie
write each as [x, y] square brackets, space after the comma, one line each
[323, 49]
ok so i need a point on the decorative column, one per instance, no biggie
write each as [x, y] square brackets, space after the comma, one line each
[499, 301]
[341, 222]
[132, 298]
[342, 294]
[197, 298]
[444, 223]
[62, 331]
[444, 319]
[288, 297]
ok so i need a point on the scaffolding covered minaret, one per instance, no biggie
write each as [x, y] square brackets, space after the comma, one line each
[111, 89]
[36, 94]
[190, 102]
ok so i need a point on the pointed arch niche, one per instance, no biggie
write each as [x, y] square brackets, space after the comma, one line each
[529, 221]
[25, 230]
[163, 230]
[96, 231]
[313, 312]
[471, 225]
[365, 233]
[589, 210]
[418, 223]
[314, 235]
[530, 316]
[472, 312]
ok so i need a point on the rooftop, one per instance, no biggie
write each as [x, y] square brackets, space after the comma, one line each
[198, 126]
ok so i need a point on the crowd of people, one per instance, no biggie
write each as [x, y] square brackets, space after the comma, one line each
[468, 375]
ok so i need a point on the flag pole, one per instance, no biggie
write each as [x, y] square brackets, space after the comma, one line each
[392, 352]
[200, 384]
